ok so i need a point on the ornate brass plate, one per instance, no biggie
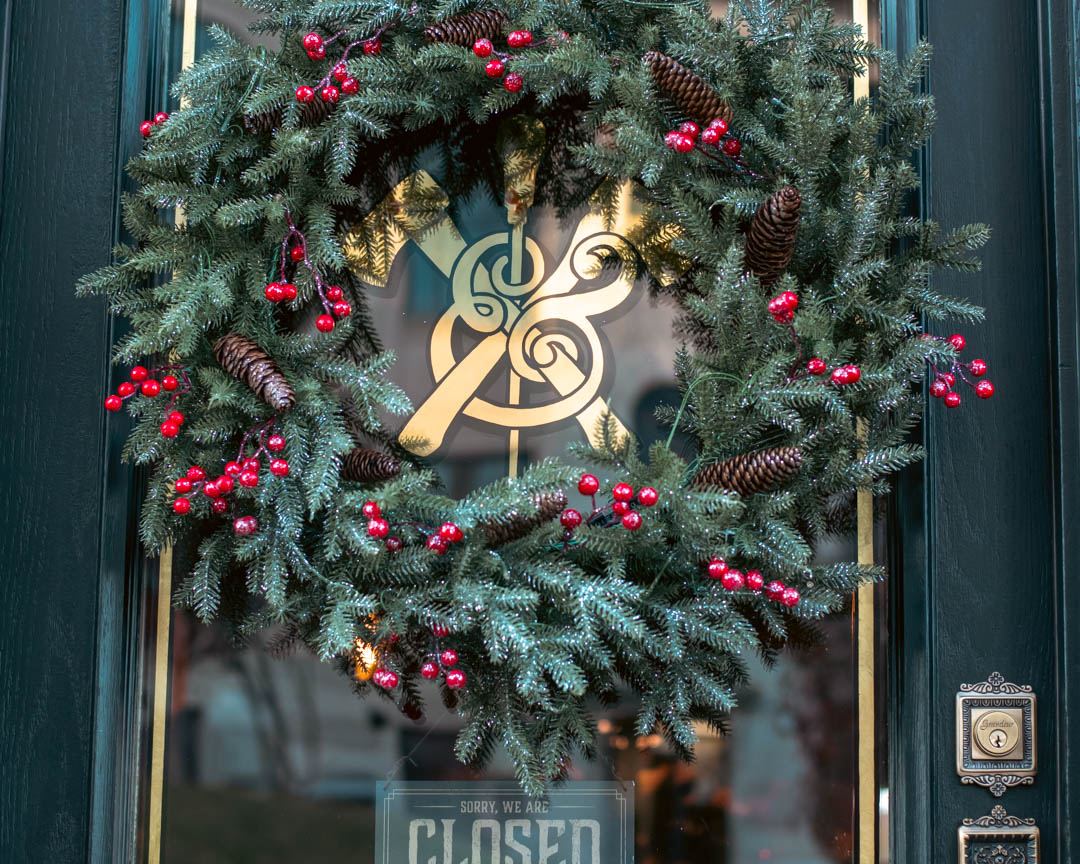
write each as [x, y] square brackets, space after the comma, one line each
[995, 734]
[998, 839]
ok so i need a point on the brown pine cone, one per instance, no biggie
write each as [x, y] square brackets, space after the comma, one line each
[770, 240]
[755, 472]
[247, 362]
[311, 114]
[466, 28]
[369, 466]
[514, 525]
[686, 89]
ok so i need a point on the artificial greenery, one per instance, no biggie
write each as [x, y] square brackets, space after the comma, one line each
[544, 627]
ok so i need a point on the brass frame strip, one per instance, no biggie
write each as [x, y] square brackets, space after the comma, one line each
[164, 599]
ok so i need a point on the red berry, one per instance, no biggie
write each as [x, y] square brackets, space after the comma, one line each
[329, 93]
[733, 580]
[289, 290]
[957, 341]
[324, 323]
[393, 544]
[648, 496]
[372, 47]
[340, 72]
[372, 510]
[169, 429]
[840, 376]
[518, 38]
[388, 680]
[146, 128]
[448, 657]
[182, 485]
[710, 136]
[631, 521]
[790, 300]
[684, 143]
[483, 47]
[429, 670]
[494, 68]
[150, 387]
[113, 403]
[176, 417]
[350, 86]
[939, 388]
[513, 82]
[854, 374]
[251, 464]
[279, 467]
[160, 117]
[570, 519]
[139, 373]
[437, 544]
[815, 366]
[671, 138]
[719, 124]
[690, 128]
[717, 568]
[181, 506]
[984, 389]
[224, 484]
[378, 528]
[588, 484]
[451, 533]
[126, 388]
[220, 506]
[274, 292]
[297, 253]
[732, 147]
[620, 508]
[245, 525]
[949, 378]
[774, 590]
[317, 53]
[305, 94]
[439, 630]
[977, 367]
[275, 443]
[342, 309]
[231, 469]
[312, 40]
[455, 679]
[780, 311]
[248, 478]
[170, 383]
[333, 293]
[210, 490]
[195, 474]
[790, 597]
[754, 580]
[622, 492]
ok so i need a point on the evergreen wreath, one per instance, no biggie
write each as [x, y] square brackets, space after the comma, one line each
[803, 290]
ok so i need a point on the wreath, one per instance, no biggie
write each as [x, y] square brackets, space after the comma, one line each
[775, 203]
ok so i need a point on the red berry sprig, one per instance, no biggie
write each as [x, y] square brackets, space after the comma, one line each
[147, 127]
[944, 382]
[716, 136]
[443, 661]
[316, 47]
[735, 580]
[152, 387]
[496, 65]
[621, 506]
[437, 540]
[782, 307]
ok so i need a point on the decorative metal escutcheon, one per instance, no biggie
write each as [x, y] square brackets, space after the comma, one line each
[999, 839]
[995, 736]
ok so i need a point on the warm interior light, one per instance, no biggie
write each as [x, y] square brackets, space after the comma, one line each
[366, 660]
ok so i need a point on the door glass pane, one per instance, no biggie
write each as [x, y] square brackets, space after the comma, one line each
[270, 757]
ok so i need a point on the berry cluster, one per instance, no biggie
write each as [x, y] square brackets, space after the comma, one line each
[148, 386]
[443, 661]
[146, 128]
[942, 385]
[735, 580]
[438, 540]
[331, 296]
[243, 471]
[621, 505]
[496, 65]
[689, 136]
[328, 91]
[782, 307]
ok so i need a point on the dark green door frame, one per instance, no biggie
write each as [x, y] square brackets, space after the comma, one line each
[985, 568]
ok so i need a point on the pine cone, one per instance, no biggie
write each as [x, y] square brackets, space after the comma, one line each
[686, 89]
[247, 362]
[369, 466]
[311, 114]
[771, 238]
[466, 28]
[514, 525]
[752, 472]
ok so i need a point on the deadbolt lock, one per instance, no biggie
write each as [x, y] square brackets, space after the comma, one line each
[995, 734]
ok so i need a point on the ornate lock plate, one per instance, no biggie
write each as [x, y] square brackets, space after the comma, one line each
[998, 839]
[995, 734]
